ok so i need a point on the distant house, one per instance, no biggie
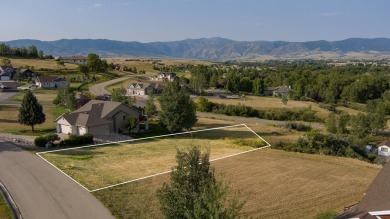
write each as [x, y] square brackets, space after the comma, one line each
[26, 73]
[384, 148]
[136, 89]
[50, 82]
[6, 72]
[165, 77]
[277, 91]
[376, 201]
[98, 117]
[74, 59]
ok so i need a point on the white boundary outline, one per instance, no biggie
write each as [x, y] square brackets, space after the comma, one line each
[138, 139]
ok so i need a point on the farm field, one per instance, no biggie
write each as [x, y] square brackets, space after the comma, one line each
[38, 63]
[96, 167]
[274, 184]
[147, 65]
[274, 102]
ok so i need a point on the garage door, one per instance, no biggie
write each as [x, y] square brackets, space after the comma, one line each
[66, 129]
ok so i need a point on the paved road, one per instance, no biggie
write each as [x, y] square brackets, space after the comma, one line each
[5, 95]
[99, 89]
[41, 191]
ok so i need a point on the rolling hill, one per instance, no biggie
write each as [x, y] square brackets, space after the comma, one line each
[215, 48]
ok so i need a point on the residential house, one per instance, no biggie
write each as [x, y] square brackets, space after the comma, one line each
[376, 201]
[74, 59]
[26, 73]
[9, 86]
[6, 72]
[136, 89]
[98, 117]
[281, 91]
[384, 148]
[166, 77]
[50, 82]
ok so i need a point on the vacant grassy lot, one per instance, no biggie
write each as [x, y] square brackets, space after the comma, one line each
[9, 120]
[275, 184]
[43, 95]
[5, 212]
[97, 167]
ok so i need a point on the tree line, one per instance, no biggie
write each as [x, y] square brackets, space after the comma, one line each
[23, 52]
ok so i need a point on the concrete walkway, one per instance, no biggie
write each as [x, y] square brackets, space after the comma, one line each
[41, 191]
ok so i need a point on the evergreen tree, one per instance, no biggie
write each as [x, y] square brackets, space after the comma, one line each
[178, 111]
[31, 112]
[194, 191]
[150, 108]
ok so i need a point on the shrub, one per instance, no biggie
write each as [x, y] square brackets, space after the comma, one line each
[74, 140]
[40, 141]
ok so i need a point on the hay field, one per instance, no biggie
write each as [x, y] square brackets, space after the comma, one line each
[38, 63]
[275, 184]
[96, 167]
[272, 103]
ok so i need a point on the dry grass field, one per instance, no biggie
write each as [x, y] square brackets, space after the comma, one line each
[272, 103]
[274, 184]
[43, 95]
[147, 65]
[37, 63]
[96, 167]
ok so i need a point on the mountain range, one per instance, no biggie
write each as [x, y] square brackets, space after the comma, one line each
[215, 48]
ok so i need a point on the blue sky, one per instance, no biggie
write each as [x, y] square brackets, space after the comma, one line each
[168, 20]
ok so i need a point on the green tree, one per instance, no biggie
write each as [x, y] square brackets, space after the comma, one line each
[31, 112]
[70, 101]
[343, 121]
[203, 105]
[330, 123]
[377, 122]
[360, 125]
[178, 111]
[150, 108]
[284, 99]
[132, 123]
[194, 191]
[40, 54]
[119, 95]
[258, 86]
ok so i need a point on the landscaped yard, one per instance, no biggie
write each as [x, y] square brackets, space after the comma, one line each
[274, 184]
[96, 167]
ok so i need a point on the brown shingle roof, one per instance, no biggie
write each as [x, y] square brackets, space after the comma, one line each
[46, 79]
[93, 113]
[377, 197]
[387, 143]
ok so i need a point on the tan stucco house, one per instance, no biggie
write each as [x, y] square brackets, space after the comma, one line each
[97, 117]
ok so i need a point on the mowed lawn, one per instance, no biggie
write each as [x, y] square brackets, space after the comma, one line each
[274, 184]
[97, 167]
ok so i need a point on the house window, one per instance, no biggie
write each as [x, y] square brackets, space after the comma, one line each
[124, 117]
[385, 149]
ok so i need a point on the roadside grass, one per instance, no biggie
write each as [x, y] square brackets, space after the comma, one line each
[5, 211]
[124, 83]
[274, 184]
[112, 164]
[38, 63]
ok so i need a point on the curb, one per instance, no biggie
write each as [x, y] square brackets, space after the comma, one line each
[10, 202]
